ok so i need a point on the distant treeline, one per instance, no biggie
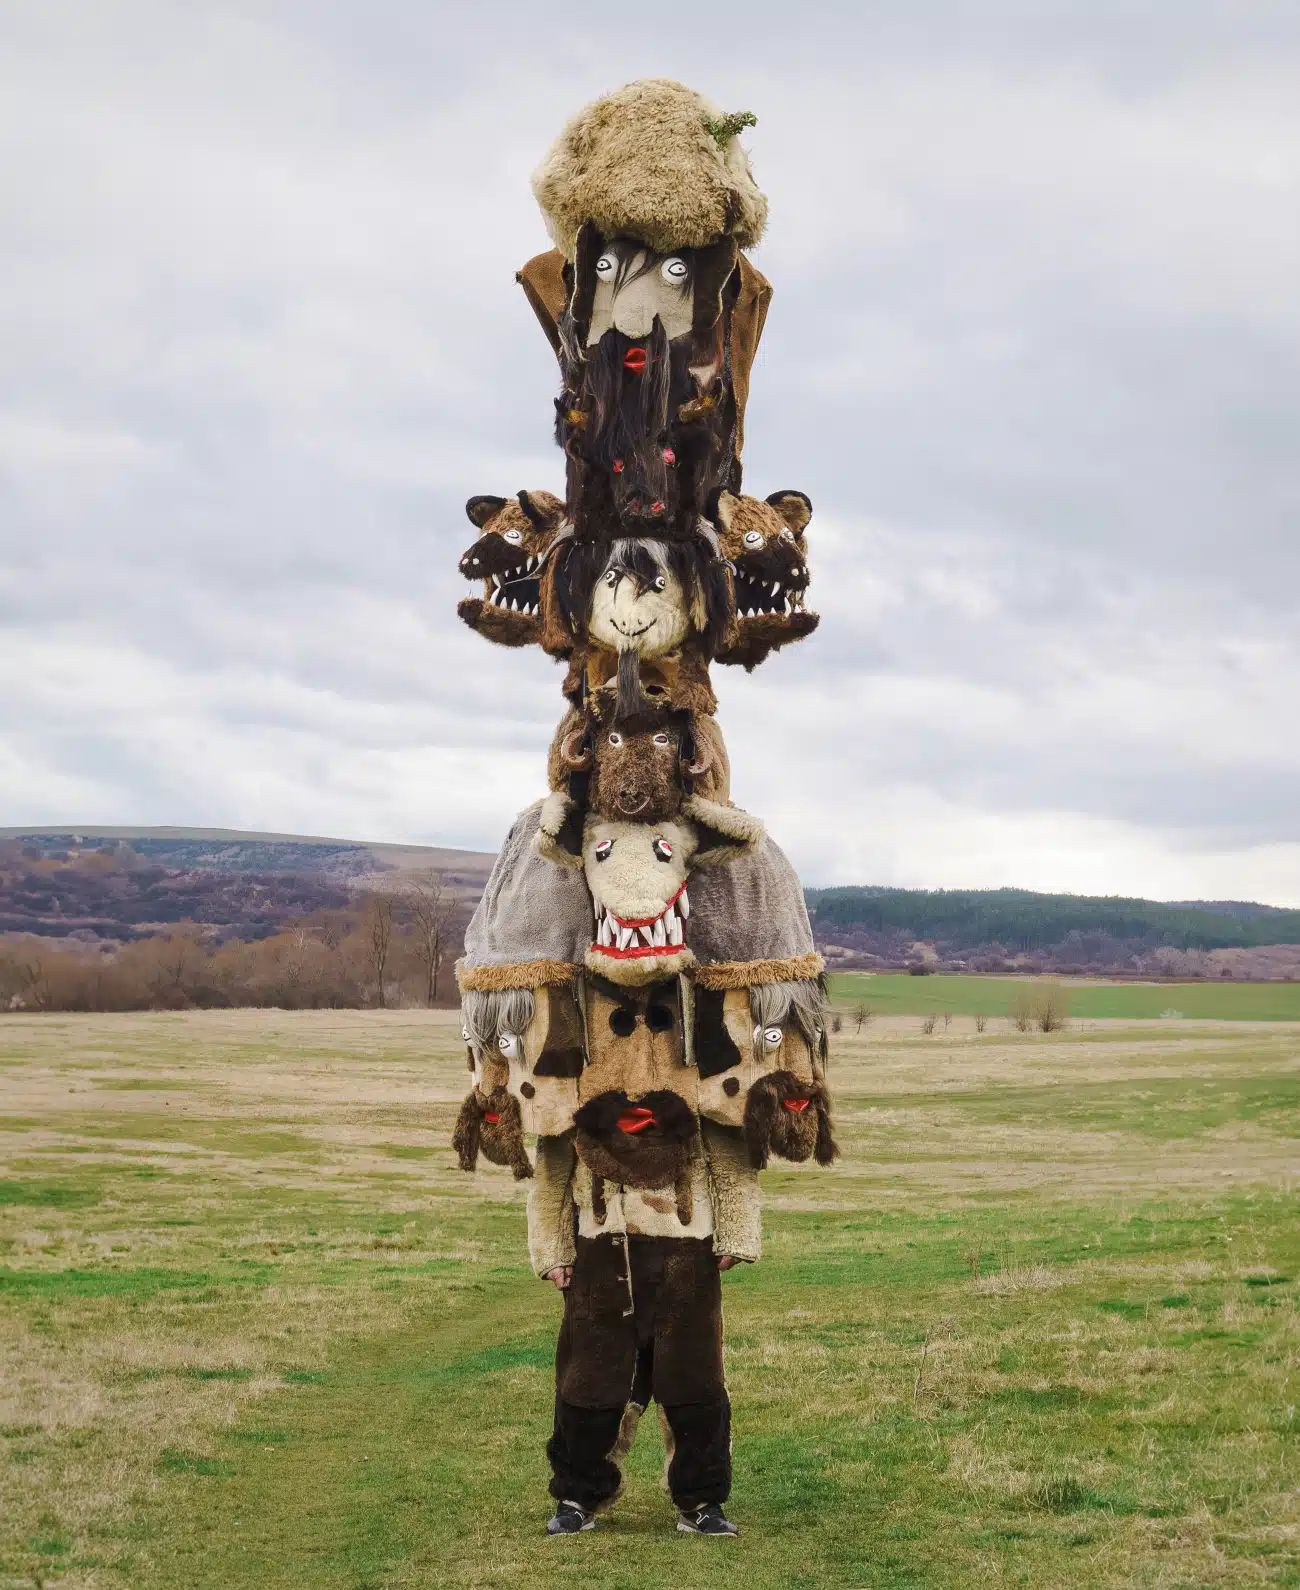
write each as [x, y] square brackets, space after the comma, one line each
[384, 949]
[1024, 922]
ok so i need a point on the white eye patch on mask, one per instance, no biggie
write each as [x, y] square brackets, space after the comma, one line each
[628, 300]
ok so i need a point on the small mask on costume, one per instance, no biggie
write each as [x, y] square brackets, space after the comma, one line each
[764, 541]
[509, 557]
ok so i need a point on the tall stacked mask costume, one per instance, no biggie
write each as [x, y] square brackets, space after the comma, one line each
[640, 992]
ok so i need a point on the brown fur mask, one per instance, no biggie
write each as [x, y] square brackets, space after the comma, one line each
[765, 543]
[643, 1144]
[508, 558]
[639, 767]
[773, 1126]
[647, 417]
[492, 1124]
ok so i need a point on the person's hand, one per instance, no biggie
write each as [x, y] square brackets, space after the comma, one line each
[562, 1274]
[727, 1261]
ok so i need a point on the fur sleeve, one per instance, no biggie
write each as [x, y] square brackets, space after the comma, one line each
[550, 1204]
[733, 1182]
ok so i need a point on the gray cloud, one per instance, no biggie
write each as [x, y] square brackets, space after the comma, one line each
[1035, 355]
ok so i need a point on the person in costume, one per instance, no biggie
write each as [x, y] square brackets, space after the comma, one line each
[641, 994]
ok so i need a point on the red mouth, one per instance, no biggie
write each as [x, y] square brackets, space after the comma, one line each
[645, 936]
[635, 360]
[797, 1105]
[491, 1117]
[635, 1120]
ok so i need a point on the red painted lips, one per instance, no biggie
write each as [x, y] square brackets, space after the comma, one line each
[635, 360]
[636, 1120]
[798, 1106]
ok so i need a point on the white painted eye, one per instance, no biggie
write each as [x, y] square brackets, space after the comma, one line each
[674, 271]
[663, 849]
[616, 738]
[772, 1037]
[607, 267]
[514, 537]
[753, 538]
[508, 1043]
[787, 534]
[662, 739]
[464, 1032]
[611, 578]
[660, 583]
[603, 848]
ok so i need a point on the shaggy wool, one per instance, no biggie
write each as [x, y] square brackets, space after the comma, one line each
[643, 163]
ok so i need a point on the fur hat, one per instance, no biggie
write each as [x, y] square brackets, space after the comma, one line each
[654, 161]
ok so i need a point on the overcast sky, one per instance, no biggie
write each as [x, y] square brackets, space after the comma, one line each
[1034, 354]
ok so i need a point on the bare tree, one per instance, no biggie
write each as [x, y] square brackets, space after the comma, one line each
[1021, 1009]
[379, 938]
[1052, 1009]
[861, 1015]
[430, 906]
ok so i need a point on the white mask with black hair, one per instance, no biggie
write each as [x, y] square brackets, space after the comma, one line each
[630, 612]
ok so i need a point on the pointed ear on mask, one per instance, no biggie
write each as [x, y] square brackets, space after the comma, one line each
[794, 509]
[724, 833]
[480, 509]
[559, 831]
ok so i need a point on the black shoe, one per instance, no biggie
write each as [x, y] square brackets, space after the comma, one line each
[570, 1519]
[710, 1520]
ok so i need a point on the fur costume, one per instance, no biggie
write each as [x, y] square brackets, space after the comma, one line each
[640, 990]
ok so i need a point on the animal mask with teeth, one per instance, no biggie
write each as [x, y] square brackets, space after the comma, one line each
[637, 874]
[765, 543]
[508, 557]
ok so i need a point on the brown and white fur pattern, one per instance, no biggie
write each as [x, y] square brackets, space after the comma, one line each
[638, 873]
[508, 557]
[764, 541]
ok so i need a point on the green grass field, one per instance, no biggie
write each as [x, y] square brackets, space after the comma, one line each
[897, 994]
[1038, 1328]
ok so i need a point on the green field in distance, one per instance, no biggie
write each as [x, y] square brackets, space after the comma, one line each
[897, 994]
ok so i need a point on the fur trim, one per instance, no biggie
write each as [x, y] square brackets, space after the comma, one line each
[716, 825]
[637, 973]
[516, 974]
[743, 974]
[654, 161]
[771, 1128]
